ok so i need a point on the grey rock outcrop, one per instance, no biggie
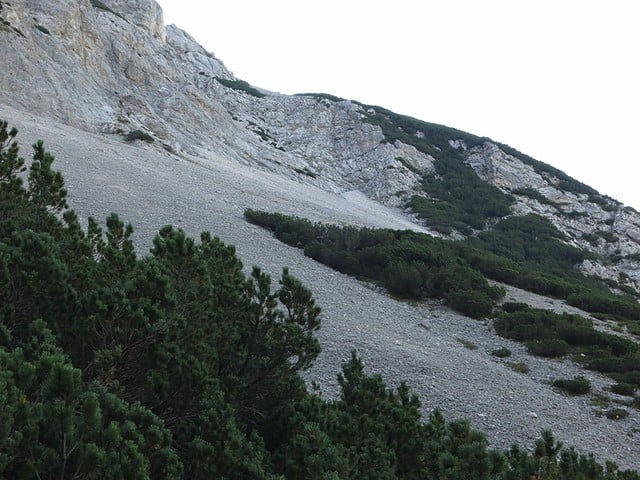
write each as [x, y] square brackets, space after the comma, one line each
[112, 66]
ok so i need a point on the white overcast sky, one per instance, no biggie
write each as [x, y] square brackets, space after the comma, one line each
[558, 80]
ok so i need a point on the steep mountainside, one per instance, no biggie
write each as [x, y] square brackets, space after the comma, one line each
[112, 67]
[89, 76]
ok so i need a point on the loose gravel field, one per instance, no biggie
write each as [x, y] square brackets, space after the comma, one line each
[416, 342]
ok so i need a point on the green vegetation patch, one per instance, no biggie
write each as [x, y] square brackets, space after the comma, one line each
[550, 334]
[42, 29]
[467, 344]
[240, 86]
[408, 264]
[134, 135]
[501, 352]
[307, 172]
[531, 239]
[616, 413]
[573, 386]
[529, 252]
[454, 197]
[519, 367]
[626, 389]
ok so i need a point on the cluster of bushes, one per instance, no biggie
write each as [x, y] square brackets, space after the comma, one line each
[528, 252]
[606, 305]
[616, 413]
[573, 386]
[178, 365]
[552, 335]
[458, 199]
[502, 352]
[623, 388]
[457, 194]
[530, 239]
[408, 264]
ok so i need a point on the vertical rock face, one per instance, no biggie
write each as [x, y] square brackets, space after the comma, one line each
[111, 66]
[145, 14]
[101, 65]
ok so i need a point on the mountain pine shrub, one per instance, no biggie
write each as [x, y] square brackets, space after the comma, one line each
[578, 385]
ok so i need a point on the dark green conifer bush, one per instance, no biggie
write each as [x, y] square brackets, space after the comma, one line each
[501, 352]
[138, 135]
[622, 388]
[574, 386]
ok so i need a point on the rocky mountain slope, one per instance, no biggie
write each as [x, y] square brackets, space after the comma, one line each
[112, 67]
[83, 74]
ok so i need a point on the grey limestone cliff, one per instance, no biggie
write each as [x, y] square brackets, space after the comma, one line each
[111, 66]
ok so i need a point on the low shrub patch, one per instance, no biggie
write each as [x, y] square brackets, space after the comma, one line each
[467, 344]
[43, 29]
[575, 386]
[616, 414]
[501, 352]
[408, 264]
[240, 86]
[519, 367]
[622, 388]
[138, 135]
[550, 348]
[550, 334]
